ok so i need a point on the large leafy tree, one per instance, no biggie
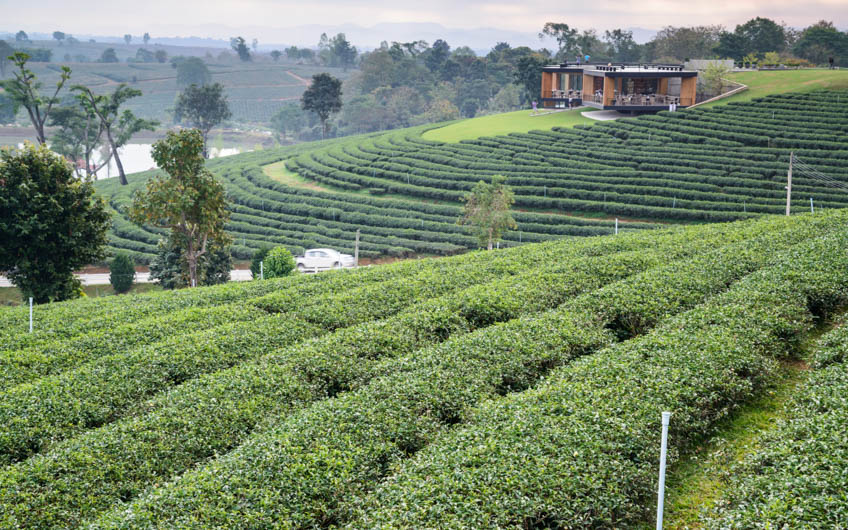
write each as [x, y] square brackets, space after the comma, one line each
[51, 223]
[486, 210]
[528, 75]
[188, 200]
[191, 71]
[821, 41]
[118, 126]
[25, 90]
[323, 97]
[344, 53]
[79, 136]
[566, 37]
[240, 47]
[202, 107]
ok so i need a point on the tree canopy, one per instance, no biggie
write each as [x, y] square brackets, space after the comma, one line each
[51, 223]
[202, 107]
[323, 97]
[187, 200]
[25, 90]
[486, 210]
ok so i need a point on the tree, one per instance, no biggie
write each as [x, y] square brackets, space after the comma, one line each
[289, 119]
[256, 261]
[24, 89]
[144, 56]
[189, 200]
[79, 136]
[762, 35]
[323, 97]
[21, 36]
[118, 126]
[127, 38]
[820, 41]
[276, 54]
[565, 36]
[191, 71]
[161, 56]
[121, 272]
[146, 38]
[622, 46]
[6, 51]
[528, 75]
[713, 77]
[108, 56]
[278, 263]
[51, 223]
[240, 47]
[59, 36]
[436, 56]
[683, 43]
[344, 53]
[486, 210]
[8, 109]
[202, 107]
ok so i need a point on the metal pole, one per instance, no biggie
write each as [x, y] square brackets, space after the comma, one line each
[811, 206]
[789, 184]
[663, 451]
[30, 314]
[262, 270]
[356, 250]
[616, 225]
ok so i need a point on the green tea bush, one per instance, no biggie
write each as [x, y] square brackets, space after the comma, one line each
[278, 263]
[121, 272]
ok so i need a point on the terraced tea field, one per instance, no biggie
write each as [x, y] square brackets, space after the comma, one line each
[515, 388]
[404, 191]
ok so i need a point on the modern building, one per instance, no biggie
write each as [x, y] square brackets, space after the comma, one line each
[618, 86]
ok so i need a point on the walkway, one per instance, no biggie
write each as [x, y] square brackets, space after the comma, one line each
[239, 275]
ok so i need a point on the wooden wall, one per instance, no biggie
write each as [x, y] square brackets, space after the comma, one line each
[687, 91]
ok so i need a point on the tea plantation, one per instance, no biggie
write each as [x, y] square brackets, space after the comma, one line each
[404, 191]
[516, 388]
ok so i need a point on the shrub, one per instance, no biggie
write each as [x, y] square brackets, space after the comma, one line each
[121, 272]
[278, 263]
[258, 257]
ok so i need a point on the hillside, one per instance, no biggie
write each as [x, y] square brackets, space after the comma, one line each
[404, 191]
[518, 388]
[255, 91]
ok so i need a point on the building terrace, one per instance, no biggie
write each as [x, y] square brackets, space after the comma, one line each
[618, 86]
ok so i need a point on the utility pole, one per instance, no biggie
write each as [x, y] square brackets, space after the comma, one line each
[789, 184]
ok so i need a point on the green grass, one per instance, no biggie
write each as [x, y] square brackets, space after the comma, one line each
[520, 121]
[695, 483]
[11, 296]
[781, 81]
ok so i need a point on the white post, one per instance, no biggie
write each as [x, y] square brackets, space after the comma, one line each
[30, 314]
[789, 184]
[356, 250]
[663, 450]
[811, 206]
[616, 225]
[262, 270]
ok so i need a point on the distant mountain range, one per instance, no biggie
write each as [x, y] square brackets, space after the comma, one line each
[481, 40]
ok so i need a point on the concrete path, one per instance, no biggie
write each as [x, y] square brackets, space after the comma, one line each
[605, 115]
[239, 275]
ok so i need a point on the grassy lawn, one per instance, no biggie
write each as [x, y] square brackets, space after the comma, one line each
[520, 121]
[12, 296]
[779, 81]
[278, 171]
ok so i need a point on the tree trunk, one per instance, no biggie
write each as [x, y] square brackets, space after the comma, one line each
[323, 129]
[121, 174]
[191, 257]
[205, 142]
[490, 239]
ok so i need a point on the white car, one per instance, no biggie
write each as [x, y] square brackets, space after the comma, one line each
[316, 259]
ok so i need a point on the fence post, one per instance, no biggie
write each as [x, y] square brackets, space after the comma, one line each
[356, 250]
[616, 225]
[663, 451]
[30, 314]
[262, 270]
[811, 206]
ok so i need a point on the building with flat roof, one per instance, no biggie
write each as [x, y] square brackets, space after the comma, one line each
[627, 87]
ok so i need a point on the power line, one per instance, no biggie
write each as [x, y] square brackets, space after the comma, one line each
[810, 172]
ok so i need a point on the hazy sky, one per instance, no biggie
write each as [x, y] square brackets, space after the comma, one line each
[193, 17]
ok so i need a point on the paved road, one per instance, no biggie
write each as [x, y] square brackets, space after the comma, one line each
[140, 277]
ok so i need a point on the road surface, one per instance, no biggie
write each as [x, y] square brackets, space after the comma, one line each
[239, 275]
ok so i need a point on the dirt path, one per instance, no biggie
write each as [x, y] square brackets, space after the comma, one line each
[304, 82]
